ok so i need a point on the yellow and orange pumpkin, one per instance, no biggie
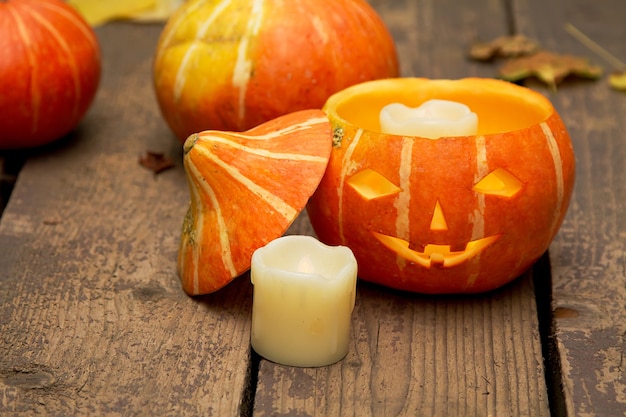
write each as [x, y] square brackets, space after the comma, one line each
[449, 215]
[246, 189]
[234, 65]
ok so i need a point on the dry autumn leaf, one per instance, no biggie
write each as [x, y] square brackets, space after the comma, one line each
[156, 162]
[503, 47]
[549, 67]
[100, 12]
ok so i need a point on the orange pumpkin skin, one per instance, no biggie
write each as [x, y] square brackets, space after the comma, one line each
[49, 71]
[520, 138]
[246, 190]
[234, 67]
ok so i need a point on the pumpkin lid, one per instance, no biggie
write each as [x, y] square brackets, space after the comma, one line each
[246, 190]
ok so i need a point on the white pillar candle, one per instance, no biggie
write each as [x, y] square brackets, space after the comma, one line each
[304, 294]
[433, 119]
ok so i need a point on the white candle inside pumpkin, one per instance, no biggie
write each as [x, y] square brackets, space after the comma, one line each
[433, 119]
[303, 298]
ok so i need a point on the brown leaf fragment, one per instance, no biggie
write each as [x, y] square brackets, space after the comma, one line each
[617, 80]
[549, 67]
[503, 47]
[156, 162]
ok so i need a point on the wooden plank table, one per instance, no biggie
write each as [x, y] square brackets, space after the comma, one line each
[93, 320]
[588, 257]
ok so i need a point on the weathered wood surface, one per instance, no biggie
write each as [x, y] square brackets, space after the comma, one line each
[93, 320]
[588, 257]
[427, 356]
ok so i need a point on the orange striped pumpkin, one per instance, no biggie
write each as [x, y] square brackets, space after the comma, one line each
[231, 65]
[246, 189]
[450, 215]
[49, 71]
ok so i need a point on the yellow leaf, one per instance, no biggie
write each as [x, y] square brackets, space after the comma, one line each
[503, 47]
[617, 80]
[99, 12]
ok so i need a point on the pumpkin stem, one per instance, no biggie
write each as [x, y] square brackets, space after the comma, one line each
[191, 140]
[337, 137]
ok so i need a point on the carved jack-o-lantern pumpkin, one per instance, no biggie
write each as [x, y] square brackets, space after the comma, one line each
[449, 215]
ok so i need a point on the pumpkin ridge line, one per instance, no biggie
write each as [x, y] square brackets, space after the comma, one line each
[34, 92]
[345, 167]
[477, 218]
[181, 80]
[224, 239]
[75, 21]
[482, 169]
[264, 152]
[70, 59]
[403, 199]
[207, 24]
[320, 29]
[192, 242]
[243, 64]
[197, 243]
[558, 170]
[277, 203]
[402, 202]
[167, 39]
[304, 125]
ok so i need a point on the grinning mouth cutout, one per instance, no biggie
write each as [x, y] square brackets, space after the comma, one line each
[436, 254]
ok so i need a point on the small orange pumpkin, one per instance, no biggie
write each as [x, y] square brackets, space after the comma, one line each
[449, 215]
[246, 190]
[233, 65]
[50, 67]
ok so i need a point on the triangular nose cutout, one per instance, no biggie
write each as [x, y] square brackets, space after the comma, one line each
[438, 222]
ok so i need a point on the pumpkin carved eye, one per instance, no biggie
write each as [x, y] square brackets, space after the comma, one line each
[370, 184]
[499, 182]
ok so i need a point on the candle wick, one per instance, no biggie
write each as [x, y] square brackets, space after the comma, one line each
[305, 265]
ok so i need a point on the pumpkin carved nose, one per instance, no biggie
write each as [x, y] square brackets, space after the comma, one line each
[438, 221]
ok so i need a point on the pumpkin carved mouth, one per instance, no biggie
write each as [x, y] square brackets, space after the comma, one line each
[437, 254]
